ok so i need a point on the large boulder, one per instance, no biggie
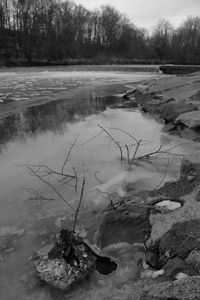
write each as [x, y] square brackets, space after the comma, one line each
[179, 241]
[170, 111]
[190, 119]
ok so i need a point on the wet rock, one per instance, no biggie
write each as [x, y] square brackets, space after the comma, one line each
[127, 223]
[190, 119]
[181, 276]
[151, 274]
[183, 186]
[193, 260]
[174, 266]
[129, 94]
[181, 239]
[128, 104]
[167, 205]
[198, 196]
[158, 273]
[153, 105]
[170, 111]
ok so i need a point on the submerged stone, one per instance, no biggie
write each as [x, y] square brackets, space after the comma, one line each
[128, 223]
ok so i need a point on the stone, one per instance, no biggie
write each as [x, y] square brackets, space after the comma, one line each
[167, 205]
[174, 266]
[181, 239]
[158, 273]
[181, 276]
[153, 105]
[127, 223]
[190, 119]
[170, 111]
[198, 196]
[193, 260]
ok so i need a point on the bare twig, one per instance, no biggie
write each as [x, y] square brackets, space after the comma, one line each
[76, 178]
[79, 204]
[95, 175]
[115, 142]
[109, 197]
[50, 185]
[136, 150]
[119, 129]
[46, 171]
[68, 156]
[92, 138]
[128, 156]
[151, 153]
[165, 173]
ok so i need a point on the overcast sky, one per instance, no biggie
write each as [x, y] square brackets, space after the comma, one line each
[146, 13]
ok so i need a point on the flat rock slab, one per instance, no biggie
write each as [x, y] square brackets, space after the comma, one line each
[190, 119]
[170, 111]
[128, 224]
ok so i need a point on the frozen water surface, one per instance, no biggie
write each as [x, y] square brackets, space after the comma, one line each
[42, 134]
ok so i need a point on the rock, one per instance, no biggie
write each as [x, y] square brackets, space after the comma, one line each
[146, 274]
[170, 111]
[198, 196]
[181, 276]
[129, 94]
[178, 242]
[153, 105]
[174, 266]
[193, 260]
[151, 274]
[158, 273]
[181, 239]
[167, 205]
[182, 186]
[190, 119]
[127, 223]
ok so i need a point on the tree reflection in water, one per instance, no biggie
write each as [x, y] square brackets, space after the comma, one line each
[53, 116]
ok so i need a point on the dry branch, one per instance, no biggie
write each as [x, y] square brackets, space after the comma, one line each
[34, 173]
[115, 142]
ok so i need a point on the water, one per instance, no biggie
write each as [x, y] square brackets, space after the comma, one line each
[42, 134]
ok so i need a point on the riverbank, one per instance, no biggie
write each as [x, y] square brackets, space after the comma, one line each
[136, 231]
[160, 226]
[173, 243]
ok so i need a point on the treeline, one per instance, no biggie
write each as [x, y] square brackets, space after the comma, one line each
[59, 31]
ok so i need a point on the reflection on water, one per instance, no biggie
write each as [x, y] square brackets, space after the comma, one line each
[52, 116]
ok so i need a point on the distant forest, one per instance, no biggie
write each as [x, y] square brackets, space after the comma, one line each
[60, 31]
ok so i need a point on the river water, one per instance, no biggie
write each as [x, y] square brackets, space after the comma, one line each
[42, 134]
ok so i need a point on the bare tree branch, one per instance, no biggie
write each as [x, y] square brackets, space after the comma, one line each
[79, 204]
[68, 156]
[50, 185]
[115, 142]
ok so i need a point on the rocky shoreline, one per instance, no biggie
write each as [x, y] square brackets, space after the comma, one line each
[164, 223]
